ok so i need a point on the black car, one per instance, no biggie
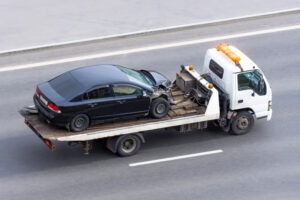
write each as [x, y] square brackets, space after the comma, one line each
[89, 95]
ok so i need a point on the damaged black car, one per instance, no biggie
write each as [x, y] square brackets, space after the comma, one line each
[90, 95]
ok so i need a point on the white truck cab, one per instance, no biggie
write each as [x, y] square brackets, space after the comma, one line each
[242, 81]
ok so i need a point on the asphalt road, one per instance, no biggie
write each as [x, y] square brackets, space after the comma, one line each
[264, 164]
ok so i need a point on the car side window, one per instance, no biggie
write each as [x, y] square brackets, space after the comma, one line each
[126, 90]
[98, 93]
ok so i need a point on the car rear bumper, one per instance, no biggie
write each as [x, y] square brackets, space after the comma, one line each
[51, 117]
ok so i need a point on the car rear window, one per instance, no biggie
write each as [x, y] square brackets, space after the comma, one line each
[66, 86]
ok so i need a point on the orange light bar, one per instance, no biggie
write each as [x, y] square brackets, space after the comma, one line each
[228, 52]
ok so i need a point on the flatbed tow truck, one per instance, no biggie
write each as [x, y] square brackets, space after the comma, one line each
[232, 92]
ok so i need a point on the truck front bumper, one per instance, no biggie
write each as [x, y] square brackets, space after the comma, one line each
[270, 112]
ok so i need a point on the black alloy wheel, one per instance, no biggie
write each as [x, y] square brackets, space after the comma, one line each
[159, 108]
[79, 123]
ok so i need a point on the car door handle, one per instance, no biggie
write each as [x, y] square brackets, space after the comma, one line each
[121, 101]
[92, 104]
[240, 101]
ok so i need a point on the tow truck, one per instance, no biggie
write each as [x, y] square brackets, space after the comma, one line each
[232, 92]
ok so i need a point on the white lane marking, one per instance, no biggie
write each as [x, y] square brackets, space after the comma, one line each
[148, 48]
[176, 158]
[210, 22]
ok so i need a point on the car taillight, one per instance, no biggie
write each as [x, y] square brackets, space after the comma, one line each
[37, 92]
[54, 107]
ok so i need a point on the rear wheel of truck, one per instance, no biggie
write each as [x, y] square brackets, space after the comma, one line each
[128, 145]
[242, 123]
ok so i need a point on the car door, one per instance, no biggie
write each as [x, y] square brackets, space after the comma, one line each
[131, 100]
[100, 102]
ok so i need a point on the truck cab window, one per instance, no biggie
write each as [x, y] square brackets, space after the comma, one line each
[216, 68]
[252, 80]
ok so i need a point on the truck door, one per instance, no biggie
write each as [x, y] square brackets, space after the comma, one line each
[251, 92]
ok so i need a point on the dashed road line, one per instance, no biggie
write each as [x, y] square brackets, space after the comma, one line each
[175, 158]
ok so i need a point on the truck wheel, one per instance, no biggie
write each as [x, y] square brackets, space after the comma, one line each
[79, 123]
[242, 123]
[128, 145]
[159, 108]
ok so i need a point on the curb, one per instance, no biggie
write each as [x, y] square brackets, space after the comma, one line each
[152, 31]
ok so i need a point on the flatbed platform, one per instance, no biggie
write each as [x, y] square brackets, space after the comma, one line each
[184, 108]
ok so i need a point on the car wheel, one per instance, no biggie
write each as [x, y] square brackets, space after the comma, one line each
[79, 123]
[159, 108]
[242, 123]
[128, 145]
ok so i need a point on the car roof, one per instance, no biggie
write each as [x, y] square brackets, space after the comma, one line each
[92, 76]
[72, 83]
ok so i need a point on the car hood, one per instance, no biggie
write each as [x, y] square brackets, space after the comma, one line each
[157, 78]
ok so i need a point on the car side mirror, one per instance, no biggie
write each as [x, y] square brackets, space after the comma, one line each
[144, 93]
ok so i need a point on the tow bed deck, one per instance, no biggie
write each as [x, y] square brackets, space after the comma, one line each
[47, 131]
[185, 112]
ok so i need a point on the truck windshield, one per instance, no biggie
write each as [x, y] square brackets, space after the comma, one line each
[252, 80]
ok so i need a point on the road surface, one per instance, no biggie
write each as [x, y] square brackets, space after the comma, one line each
[264, 164]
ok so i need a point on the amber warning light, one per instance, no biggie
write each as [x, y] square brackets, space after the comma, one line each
[224, 48]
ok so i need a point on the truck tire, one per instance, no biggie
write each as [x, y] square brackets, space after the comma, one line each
[128, 145]
[159, 108]
[242, 123]
[79, 123]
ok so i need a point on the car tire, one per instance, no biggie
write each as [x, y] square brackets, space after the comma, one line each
[159, 108]
[128, 145]
[242, 123]
[79, 123]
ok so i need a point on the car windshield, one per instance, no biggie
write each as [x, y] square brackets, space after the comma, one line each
[136, 76]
